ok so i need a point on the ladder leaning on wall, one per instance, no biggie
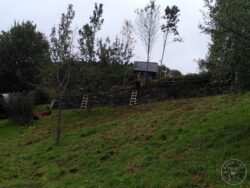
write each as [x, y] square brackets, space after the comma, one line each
[84, 103]
[133, 98]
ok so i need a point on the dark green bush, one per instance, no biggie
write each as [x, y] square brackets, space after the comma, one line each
[20, 108]
[191, 85]
[41, 96]
[3, 109]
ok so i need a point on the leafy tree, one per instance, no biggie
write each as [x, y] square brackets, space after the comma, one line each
[164, 70]
[62, 55]
[169, 28]
[120, 52]
[147, 25]
[227, 21]
[114, 59]
[88, 34]
[174, 73]
[23, 56]
[87, 45]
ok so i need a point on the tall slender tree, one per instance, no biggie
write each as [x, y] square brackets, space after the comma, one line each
[128, 40]
[87, 45]
[169, 28]
[88, 34]
[61, 49]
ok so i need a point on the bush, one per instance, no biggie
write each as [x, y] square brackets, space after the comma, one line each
[41, 96]
[3, 109]
[20, 108]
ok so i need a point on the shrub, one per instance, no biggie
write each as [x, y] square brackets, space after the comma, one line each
[20, 108]
[3, 109]
[41, 96]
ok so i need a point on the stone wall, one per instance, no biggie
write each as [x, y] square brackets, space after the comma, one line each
[172, 88]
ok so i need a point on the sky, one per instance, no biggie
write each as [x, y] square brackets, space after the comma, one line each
[181, 56]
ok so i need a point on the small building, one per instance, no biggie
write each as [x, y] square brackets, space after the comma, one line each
[141, 67]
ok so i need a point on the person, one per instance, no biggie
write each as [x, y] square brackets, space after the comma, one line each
[138, 81]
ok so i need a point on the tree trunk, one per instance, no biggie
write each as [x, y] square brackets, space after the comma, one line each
[148, 59]
[163, 53]
[236, 82]
[59, 117]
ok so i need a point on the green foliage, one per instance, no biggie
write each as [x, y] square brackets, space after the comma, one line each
[191, 85]
[3, 107]
[227, 21]
[169, 28]
[23, 54]
[88, 34]
[171, 19]
[61, 51]
[176, 143]
[103, 76]
[20, 108]
[174, 73]
[41, 96]
[116, 52]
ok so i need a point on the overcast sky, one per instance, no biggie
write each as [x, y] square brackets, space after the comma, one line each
[181, 56]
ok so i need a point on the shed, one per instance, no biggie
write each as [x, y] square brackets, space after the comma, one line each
[141, 67]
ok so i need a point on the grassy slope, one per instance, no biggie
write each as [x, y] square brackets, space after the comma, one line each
[180, 143]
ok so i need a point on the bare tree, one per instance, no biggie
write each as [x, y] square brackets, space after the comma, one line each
[147, 26]
[61, 50]
[128, 41]
[169, 28]
[128, 34]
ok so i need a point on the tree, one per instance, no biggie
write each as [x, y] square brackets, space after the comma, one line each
[62, 55]
[87, 45]
[169, 28]
[147, 25]
[174, 73]
[88, 34]
[129, 41]
[227, 21]
[113, 61]
[23, 55]
[231, 16]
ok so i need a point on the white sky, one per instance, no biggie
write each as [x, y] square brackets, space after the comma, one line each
[181, 56]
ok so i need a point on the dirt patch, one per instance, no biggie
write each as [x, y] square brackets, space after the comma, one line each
[30, 142]
[73, 170]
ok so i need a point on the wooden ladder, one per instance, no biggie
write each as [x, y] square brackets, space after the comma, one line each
[84, 103]
[133, 98]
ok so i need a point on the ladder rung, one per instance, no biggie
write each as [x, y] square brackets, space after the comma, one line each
[133, 98]
[84, 103]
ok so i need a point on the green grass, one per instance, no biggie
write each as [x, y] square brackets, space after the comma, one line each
[178, 143]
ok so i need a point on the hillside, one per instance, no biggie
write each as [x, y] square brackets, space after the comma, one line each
[177, 143]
